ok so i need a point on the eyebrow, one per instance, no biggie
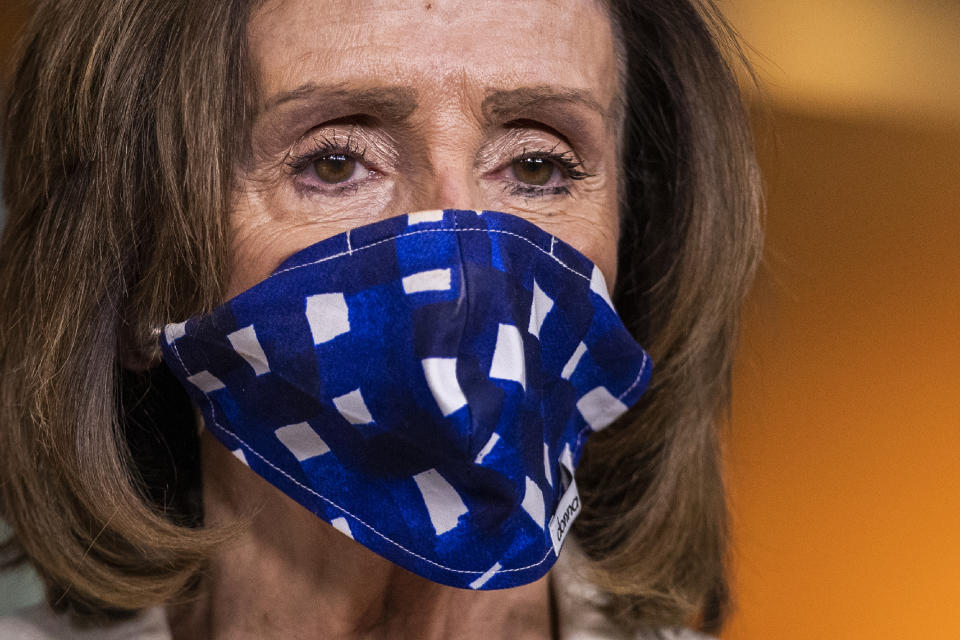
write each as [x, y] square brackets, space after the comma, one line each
[396, 104]
[506, 104]
[403, 100]
[389, 103]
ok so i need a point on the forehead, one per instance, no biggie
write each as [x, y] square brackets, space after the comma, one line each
[439, 45]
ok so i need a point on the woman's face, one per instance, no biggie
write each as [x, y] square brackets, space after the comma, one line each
[380, 107]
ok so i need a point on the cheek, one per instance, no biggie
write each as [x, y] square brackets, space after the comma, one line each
[253, 258]
[258, 249]
[590, 224]
[605, 239]
[265, 233]
[597, 241]
[266, 230]
[262, 237]
[597, 234]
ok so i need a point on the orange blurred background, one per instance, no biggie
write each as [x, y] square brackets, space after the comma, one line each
[844, 449]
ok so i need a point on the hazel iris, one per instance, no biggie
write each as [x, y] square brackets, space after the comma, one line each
[534, 171]
[335, 168]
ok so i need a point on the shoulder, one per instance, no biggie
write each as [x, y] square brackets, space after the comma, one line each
[41, 623]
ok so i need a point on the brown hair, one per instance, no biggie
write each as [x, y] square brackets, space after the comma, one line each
[122, 128]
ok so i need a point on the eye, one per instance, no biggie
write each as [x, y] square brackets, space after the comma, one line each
[331, 164]
[337, 168]
[543, 173]
[535, 171]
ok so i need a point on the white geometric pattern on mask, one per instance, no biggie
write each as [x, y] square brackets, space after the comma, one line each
[302, 441]
[205, 381]
[328, 316]
[352, 407]
[508, 359]
[487, 448]
[444, 504]
[546, 463]
[432, 280]
[599, 408]
[533, 503]
[247, 346]
[574, 360]
[175, 331]
[433, 215]
[341, 525]
[483, 579]
[599, 286]
[238, 454]
[441, 374]
[542, 304]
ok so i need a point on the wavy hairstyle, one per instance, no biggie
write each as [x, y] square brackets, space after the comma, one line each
[121, 133]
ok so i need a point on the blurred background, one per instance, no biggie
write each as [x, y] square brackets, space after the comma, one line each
[844, 449]
[17, 588]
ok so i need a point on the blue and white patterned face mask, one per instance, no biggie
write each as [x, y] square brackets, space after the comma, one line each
[425, 384]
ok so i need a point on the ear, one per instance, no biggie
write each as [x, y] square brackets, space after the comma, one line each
[139, 351]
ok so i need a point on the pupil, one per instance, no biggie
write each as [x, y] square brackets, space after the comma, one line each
[535, 171]
[335, 168]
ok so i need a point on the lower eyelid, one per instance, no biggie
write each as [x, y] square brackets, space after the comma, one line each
[320, 188]
[520, 189]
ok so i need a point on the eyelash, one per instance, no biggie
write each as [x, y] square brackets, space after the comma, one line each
[322, 147]
[567, 162]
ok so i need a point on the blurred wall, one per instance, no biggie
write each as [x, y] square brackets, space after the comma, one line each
[18, 588]
[13, 14]
[11, 18]
[21, 587]
[843, 451]
[889, 59]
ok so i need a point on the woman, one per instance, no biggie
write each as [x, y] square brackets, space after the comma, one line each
[165, 158]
